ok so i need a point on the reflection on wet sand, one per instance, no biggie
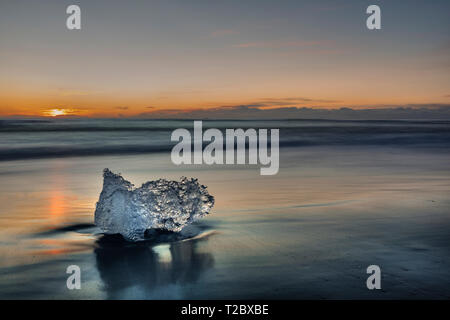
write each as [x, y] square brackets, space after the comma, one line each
[309, 232]
[157, 269]
[146, 270]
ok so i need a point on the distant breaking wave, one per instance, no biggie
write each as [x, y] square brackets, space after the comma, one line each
[31, 139]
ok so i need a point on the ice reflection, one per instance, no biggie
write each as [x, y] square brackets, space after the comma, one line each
[149, 271]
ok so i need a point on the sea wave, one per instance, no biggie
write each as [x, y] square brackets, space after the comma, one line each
[31, 139]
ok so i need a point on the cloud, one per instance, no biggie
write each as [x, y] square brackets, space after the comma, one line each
[122, 108]
[255, 111]
[298, 100]
[278, 102]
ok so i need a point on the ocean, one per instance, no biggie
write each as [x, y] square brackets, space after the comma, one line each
[349, 194]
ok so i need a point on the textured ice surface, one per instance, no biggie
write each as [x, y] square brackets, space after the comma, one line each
[161, 205]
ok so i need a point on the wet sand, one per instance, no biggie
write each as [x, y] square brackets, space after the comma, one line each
[309, 232]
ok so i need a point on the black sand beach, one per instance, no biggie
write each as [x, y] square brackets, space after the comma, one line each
[308, 232]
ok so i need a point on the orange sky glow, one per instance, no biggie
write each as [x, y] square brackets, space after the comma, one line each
[161, 59]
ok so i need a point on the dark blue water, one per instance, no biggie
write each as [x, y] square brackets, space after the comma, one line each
[23, 139]
[348, 194]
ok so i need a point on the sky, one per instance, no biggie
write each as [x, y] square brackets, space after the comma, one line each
[150, 58]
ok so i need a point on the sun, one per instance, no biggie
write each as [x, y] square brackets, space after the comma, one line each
[56, 112]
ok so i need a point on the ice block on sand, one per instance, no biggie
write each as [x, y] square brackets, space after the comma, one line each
[160, 205]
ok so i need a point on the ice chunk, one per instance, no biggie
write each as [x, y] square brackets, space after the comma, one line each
[161, 204]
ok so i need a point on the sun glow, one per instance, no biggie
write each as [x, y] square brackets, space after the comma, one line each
[56, 112]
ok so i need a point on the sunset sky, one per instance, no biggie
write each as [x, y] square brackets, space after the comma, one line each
[138, 57]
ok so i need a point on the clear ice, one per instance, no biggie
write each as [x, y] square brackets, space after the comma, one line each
[160, 205]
